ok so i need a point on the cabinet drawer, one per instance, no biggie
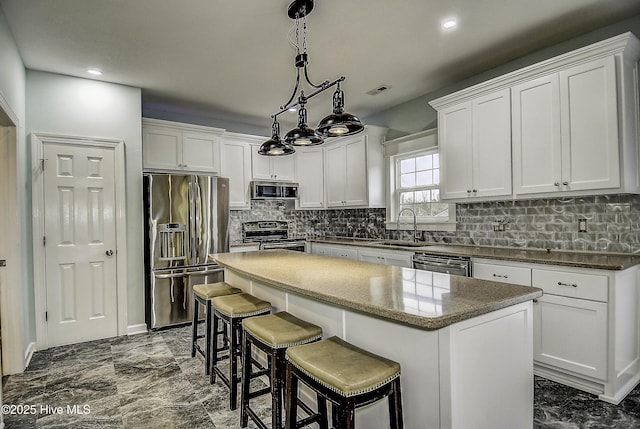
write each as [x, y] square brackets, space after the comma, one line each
[341, 252]
[502, 273]
[575, 285]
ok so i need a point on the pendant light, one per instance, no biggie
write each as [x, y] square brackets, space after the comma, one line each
[275, 146]
[339, 123]
[303, 135]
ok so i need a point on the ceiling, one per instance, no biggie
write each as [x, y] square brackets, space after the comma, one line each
[232, 59]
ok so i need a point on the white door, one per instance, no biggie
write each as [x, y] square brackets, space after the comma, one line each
[80, 239]
[335, 174]
[454, 136]
[356, 172]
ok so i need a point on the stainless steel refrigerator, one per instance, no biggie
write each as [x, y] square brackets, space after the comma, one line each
[187, 218]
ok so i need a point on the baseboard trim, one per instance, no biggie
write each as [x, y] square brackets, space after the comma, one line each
[137, 329]
[28, 354]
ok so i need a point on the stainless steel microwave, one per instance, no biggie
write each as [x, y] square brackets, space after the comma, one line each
[274, 190]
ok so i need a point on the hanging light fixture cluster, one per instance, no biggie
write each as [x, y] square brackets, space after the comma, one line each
[339, 123]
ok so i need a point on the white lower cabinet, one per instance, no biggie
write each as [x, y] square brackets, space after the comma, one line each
[364, 254]
[571, 334]
[586, 325]
[399, 259]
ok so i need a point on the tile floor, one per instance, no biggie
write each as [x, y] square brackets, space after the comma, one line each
[151, 381]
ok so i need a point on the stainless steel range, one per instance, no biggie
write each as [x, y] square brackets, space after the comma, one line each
[273, 234]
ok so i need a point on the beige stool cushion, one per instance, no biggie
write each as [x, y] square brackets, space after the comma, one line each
[343, 367]
[211, 290]
[282, 330]
[240, 305]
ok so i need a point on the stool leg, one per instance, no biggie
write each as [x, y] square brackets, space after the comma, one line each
[233, 352]
[291, 401]
[246, 381]
[322, 411]
[277, 387]
[194, 327]
[214, 349]
[395, 406]
[207, 335]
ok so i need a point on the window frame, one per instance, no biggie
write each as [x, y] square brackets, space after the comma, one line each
[393, 157]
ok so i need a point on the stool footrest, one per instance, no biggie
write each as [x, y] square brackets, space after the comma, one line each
[260, 392]
[255, 418]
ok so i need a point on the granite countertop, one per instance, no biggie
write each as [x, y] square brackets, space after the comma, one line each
[592, 260]
[417, 298]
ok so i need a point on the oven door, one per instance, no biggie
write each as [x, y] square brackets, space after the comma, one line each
[297, 246]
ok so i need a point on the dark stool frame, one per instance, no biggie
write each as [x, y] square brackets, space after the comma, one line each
[343, 412]
[276, 371]
[234, 323]
[195, 347]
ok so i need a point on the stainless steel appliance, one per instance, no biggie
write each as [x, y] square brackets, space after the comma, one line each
[457, 265]
[187, 218]
[274, 234]
[274, 190]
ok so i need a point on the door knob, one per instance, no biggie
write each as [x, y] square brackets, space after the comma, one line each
[109, 252]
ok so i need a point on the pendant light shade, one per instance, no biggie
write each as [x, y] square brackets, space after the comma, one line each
[302, 135]
[275, 146]
[339, 123]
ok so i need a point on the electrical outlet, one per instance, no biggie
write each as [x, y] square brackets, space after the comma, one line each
[582, 225]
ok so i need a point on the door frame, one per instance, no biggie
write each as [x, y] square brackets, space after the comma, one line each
[14, 292]
[38, 140]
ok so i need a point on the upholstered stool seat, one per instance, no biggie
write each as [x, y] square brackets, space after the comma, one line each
[345, 375]
[272, 334]
[202, 294]
[232, 310]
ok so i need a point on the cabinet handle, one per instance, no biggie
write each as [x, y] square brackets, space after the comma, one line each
[468, 191]
[556, 183]
[567, 284]
[565, 183]
[475, 190]
[502, 276]
[535, 301]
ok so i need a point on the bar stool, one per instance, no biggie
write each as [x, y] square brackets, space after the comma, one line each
[232, 310]
[202, 294]
[347, 376]
[273, 334]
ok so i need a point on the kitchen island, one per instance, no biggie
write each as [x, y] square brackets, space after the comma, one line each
[465, 345]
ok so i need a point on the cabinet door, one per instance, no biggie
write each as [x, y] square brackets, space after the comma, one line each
[310, 177]
[260, 165]
[162, 148]
[454, 136]
[283, 168]
[236, 165]
[344, 252]
[536, 136]
[371, 256]
[571, 334]
[320, 249]
[335, 169]
[588, 107]
[492, 145]
[356, 172]
[201, 152]
[398, 260]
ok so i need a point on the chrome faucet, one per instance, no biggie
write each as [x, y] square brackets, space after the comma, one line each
[415, 225]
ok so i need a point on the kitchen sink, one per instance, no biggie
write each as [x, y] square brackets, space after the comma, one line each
[399, 243]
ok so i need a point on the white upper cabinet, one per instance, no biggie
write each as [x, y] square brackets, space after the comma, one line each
[310, 177]
[475, 147]
[280, 168]
[565, 130]
[175, 146]
[573, 122]
[236, 165]
[354, 170]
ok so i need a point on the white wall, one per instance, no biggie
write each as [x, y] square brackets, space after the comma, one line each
[12, 98]
[82, 107]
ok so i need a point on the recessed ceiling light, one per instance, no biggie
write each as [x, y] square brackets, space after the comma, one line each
[94, 72]
[449, 23]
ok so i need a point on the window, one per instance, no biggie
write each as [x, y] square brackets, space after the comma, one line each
[413, 182]
[418, 179]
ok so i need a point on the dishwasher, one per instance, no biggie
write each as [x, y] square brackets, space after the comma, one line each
[456, 265]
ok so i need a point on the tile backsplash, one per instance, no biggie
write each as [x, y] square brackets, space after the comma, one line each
[612, 223]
